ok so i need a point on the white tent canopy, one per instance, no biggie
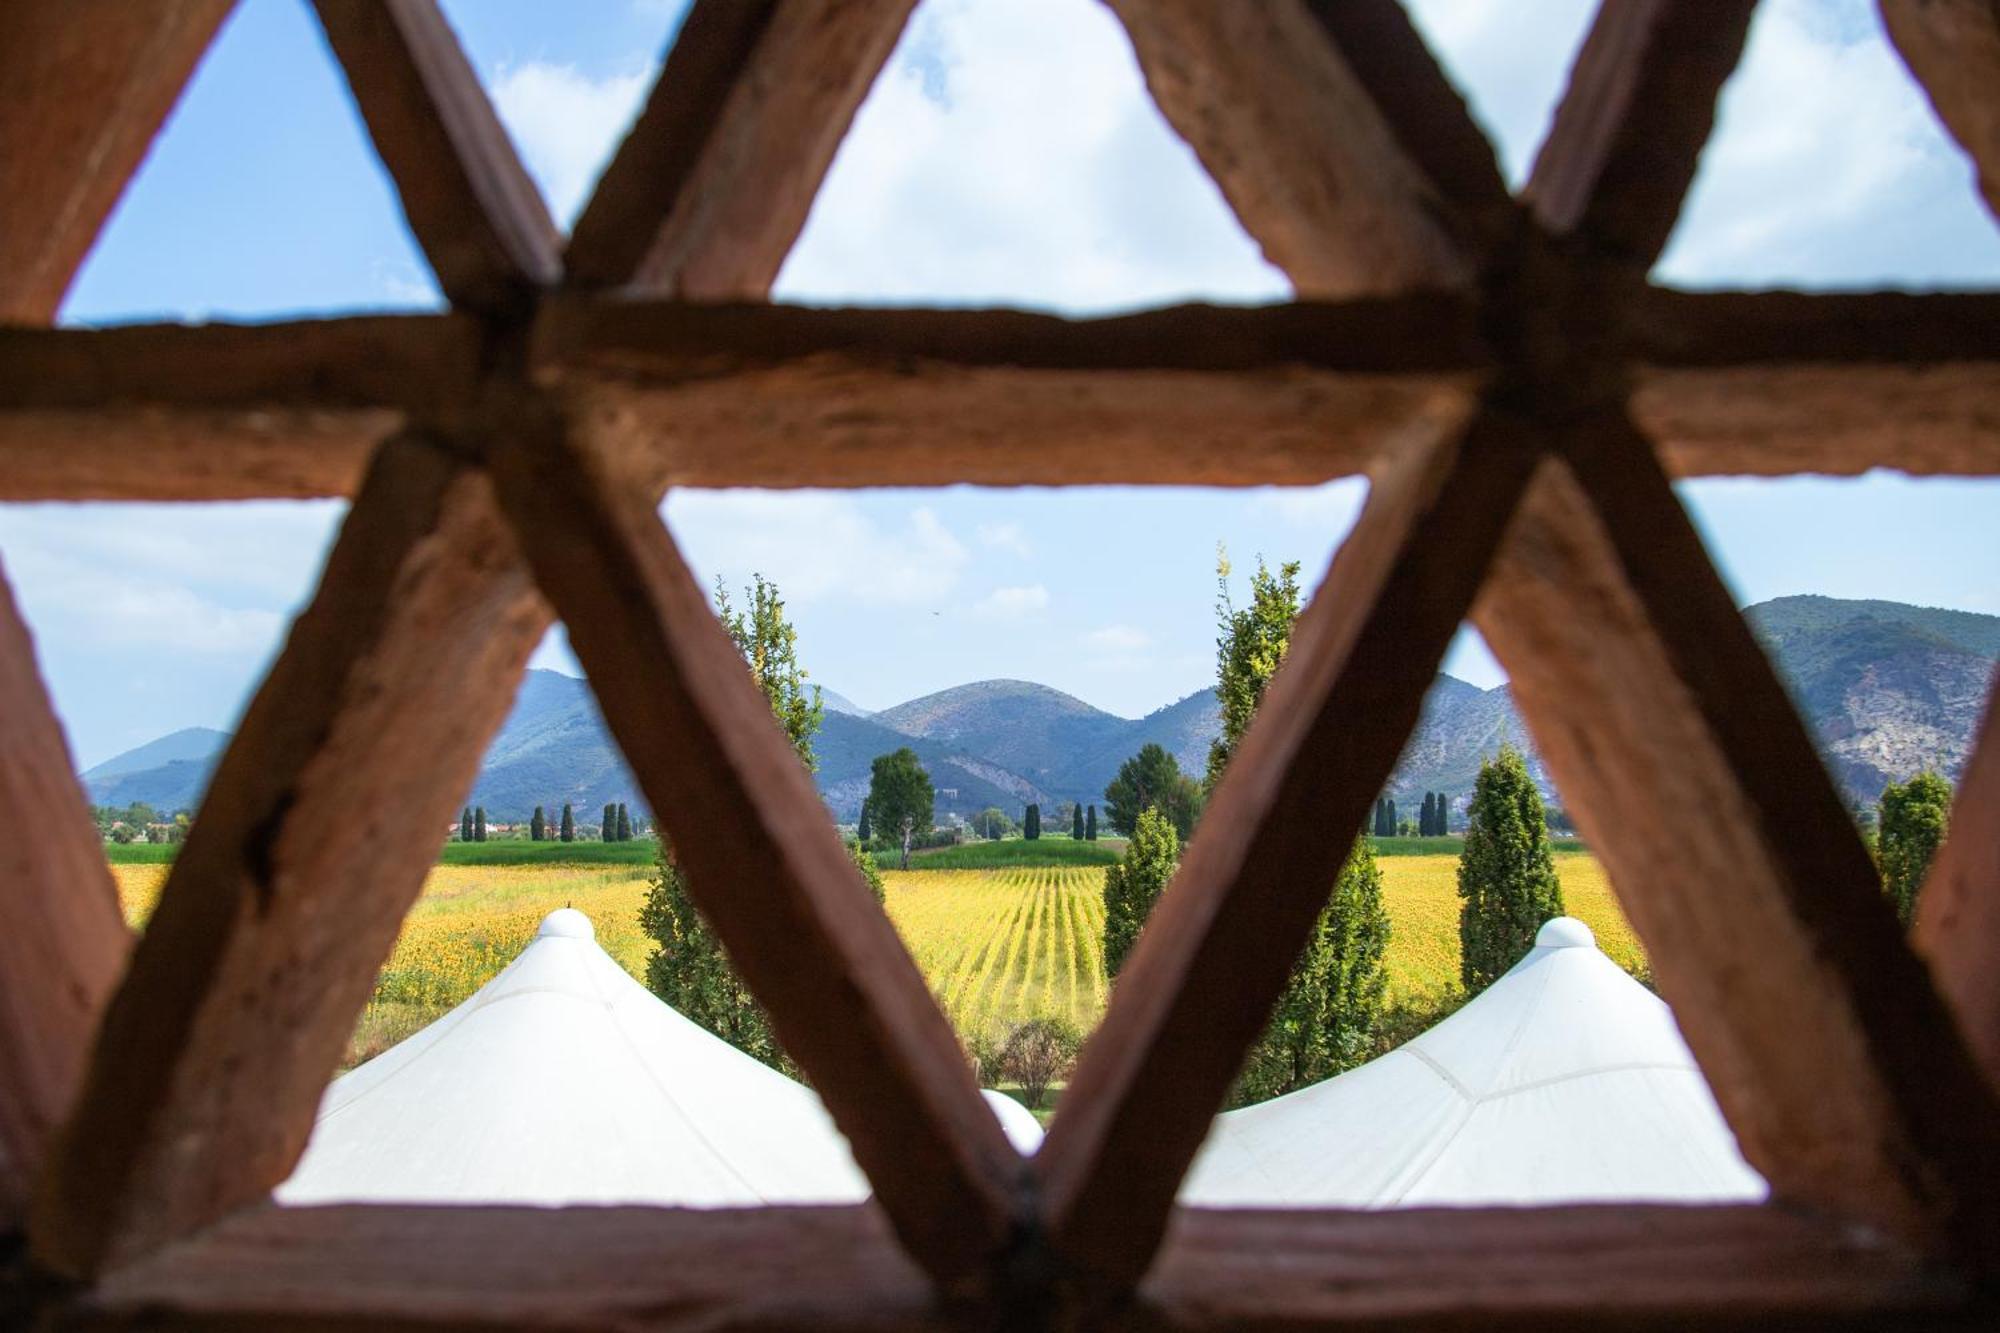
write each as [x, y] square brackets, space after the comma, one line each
[564, 1081]
[1564, 1081]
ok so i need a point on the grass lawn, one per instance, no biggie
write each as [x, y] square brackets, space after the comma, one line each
[522, 852]
[1451, 845]
[140, 853]
[1047, 850]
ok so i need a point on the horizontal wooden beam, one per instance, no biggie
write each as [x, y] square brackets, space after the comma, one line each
[63, 939]
[332, 1269]
[1953, 48]
[314, 838]
[83, 90]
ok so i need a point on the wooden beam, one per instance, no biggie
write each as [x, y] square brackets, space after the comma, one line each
[1690, 772]
[763, 861]
[1284, 106]
[83, 90]
[63, 940]
[1953, 48]
[711, 187]
[810, 1269]
[1958, 914]
[1628, 133]
[313, 840]
[1214, 957]
[474, 209]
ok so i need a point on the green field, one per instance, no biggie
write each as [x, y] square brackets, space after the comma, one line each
[1014, 852]
[1452, 845]
[140, 853]
[522, 852]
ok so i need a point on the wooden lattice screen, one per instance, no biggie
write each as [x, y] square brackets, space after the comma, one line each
[1500, 367]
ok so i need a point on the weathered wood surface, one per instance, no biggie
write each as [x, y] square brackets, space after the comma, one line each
[713, 183]
[1629, 132]
[813, 1269]
[317, 830]
[1214, 957]
[763, 861]
[1953, 48]
[1648, 697]
[478, 216]
[1293, 134]
[63, 939]
[84, 87]
[1958, 914]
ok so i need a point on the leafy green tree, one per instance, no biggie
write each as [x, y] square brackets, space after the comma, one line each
[770, 645]
[624, 823]
[1507, 885]
[1076, 823]
[1152, 780]
[1325, 1021]
[1090, 825]
[1249, 647]
[537, 825]
[465, 824]
[479, 823]
[992, 823]
[900, 798]
[1134, 883]
[568, 823]
[865, 830]
[1031, 823]
[1914, 818]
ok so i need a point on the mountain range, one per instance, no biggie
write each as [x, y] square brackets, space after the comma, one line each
[1887, 688]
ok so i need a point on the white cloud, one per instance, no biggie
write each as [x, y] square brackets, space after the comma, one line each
[818, 546]
[1009, 537]
[1013, 603]
[566, 124]
[1118, 639]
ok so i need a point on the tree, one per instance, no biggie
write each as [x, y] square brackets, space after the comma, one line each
[900, 797]
[1038, 1053]
[607, 824]
[1134, 883]
[1250, 645]
[479, 824]
[992, 823]
[1076, 823]
[537, 826]
[1152, 780]
[771, 646]
[1031, 823]
[568, 823]
[1090, 825]
[1915, 816]
[1426, 815]
[1507, 885]
[865, 830]
[465, 824]
[624, 823]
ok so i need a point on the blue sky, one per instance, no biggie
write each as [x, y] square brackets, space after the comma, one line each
[1008, 155]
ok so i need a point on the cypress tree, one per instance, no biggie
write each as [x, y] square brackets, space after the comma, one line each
[479, 824]
[864, 831]
[568, 823]
[1090, 825]
[624, 823]
[1076, 823]
[1507, 885]
[537, 826]
[1031, 823]
[607, 825]
[1425, 816]
[1394, 827]
[465, 824]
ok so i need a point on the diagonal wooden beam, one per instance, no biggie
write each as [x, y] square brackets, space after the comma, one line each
[1216, 953]
[474, 209]
[763, 861]
[62, 939]
[314, 838]
[1958, 915]
[1691, 774]
[1300, 113]
[83, 90]
[1629, 132]
[711, 187]
[1953, 48]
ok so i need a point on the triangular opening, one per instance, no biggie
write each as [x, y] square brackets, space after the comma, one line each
[1010, 155]
[1828, 168]
[261, 199]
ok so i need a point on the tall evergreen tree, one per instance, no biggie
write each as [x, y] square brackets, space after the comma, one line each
[479, 823]
[1090, 825]
[1250, 645]
[1076, 823]
[624, 823]
[607, 824]
[1425, 816]
[1914, 818]
[465, 824]
[1031, 823]
[865, 830]
[1394, 826]
[1507, 885]
[568, 823]
[1134, 883]
[536, 825]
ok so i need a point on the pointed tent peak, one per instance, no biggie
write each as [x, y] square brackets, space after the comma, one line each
[566, 923]
[1559, 932]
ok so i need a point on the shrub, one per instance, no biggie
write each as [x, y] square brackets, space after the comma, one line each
[1039, 1053]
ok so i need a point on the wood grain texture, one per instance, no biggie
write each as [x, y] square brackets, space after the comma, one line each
[1953, 48]
[1629, 131]
[63, 939]
[1214, 957]
[710, 188]
[763, 861]
[1958, 914]
[84, 86]
[1298, 143]
[479, 218]
[1650, 700]
[313, 839]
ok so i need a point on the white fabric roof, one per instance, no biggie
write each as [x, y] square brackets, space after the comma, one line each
[1564, 1081]
[564, 1081]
